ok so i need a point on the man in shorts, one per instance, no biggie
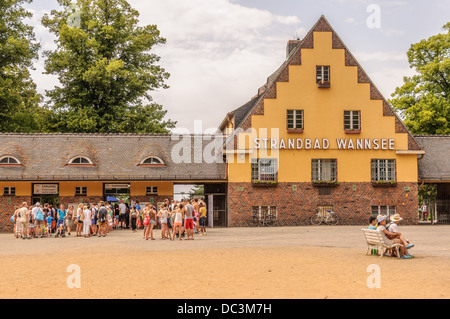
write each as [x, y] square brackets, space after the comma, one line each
[122, 216]
[424, 210]
[23, 220]
[189, 219]
[202, 214]
[38, 216]
[102, 220]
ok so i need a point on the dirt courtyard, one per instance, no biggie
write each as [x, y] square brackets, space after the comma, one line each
[229, 263]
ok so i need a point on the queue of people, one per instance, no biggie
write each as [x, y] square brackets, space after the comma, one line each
[176, 219]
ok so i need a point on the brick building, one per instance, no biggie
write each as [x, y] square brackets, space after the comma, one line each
[317, 136]
[87, 168]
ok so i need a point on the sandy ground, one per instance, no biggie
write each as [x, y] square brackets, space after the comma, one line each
[291, 262]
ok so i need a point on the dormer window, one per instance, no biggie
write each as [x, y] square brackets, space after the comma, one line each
[152, 161]
[323, 76]
[80, 160]
[9, 161]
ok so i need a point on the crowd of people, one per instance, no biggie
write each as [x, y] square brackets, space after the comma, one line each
[176, 219]
[390, 233]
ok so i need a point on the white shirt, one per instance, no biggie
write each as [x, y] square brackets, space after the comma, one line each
[34, 211]
[123, 208]
[87, 217]
[393, 228]
[178, 217]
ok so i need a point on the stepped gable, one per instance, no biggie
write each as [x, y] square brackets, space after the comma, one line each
[269, 90]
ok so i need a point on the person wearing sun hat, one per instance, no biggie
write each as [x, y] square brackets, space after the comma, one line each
[395, 237]
[393, 228]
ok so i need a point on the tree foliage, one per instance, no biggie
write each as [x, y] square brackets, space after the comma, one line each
[424, 99]
[19, 110]
[106, 69]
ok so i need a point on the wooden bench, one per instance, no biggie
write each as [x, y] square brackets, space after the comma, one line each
[374, 240]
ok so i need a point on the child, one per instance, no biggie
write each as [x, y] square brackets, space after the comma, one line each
[372, 223]
[60, 228]
[49, 221]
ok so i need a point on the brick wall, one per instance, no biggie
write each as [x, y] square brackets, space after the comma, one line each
[7, 204]
[66, 200]
[353, 206]
[156, 198]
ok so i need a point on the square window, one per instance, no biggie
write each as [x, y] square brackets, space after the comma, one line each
[383, 170]
[323, 75]
[264, 170]
[82, 190]
[294, 119]
[264, 213]
[11, 191]
[152, 190]
[352, 120]
[324, 170]
[383, 210]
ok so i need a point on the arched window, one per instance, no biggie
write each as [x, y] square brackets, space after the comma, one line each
[152, 160]
[80, 160]
[9, 160]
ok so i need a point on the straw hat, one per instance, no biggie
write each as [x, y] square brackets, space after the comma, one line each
[396, 218]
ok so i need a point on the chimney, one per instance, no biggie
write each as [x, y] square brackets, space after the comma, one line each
[291, 45]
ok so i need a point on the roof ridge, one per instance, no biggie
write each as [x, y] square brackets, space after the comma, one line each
[102, 134]
[432, 135]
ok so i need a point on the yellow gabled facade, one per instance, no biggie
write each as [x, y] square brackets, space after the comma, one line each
[323, 135]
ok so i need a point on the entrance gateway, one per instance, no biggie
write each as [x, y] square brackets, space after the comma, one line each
[45, 193]
[214, 195]
[116, 192]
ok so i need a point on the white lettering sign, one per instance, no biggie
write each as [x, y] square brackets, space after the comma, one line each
[324, 144]
[45, 189]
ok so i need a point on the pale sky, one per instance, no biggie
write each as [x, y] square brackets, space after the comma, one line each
[219, 52]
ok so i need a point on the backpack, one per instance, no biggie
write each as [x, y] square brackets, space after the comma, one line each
[39, 215]
[102, 212]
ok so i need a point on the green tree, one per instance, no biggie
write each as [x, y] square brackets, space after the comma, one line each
[424, 99]
[19, 101]
[106, 70]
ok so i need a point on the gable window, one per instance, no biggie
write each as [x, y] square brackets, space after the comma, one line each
[80, 160]
[352, 121]
[264, 170]
[152, 161]
[82, 190]
[294, 120]
[9, 160]
[383, 170]
[324, 170]
[152, 190]
[11, 191]
[323, 76]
